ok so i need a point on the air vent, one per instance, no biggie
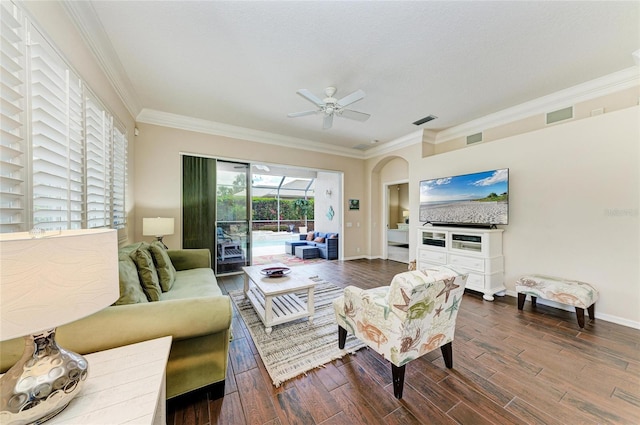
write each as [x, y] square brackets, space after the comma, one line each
[474, 138]
[425, 119]
[560, 115]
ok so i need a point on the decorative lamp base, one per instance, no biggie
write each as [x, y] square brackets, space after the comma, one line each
[159, 239]
[42, 383]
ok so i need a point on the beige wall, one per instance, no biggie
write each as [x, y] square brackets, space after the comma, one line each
[398, 198]
[158, 175]
[328, 182]
[574, 203]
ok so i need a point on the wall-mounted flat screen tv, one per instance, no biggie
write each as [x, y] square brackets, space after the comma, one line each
[473, 199]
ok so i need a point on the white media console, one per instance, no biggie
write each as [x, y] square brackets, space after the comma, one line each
[476, 251]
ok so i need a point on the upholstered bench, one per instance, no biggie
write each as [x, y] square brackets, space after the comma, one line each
[581, 295]
[306, 252]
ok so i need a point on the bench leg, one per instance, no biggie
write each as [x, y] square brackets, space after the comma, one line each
[580, 314]
[592, 311]
[533, 301]
[521, 300]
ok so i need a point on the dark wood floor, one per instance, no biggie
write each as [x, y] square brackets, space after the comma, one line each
[509, 367]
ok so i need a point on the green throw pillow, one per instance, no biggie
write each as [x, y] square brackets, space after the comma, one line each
[147, 273]
[164, 266]
[130, 290]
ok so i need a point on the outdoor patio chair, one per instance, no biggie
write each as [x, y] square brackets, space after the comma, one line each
[228, 247]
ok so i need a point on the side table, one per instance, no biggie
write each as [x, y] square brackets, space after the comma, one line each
[125, 385]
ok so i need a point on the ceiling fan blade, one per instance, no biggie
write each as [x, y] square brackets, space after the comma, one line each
[301, 114]
[328, 121]
[351, 98]
[354, 115]
[310, 97]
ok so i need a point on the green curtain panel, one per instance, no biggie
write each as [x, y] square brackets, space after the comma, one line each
[199, 203]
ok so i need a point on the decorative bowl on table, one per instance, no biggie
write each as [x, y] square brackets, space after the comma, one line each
[275, 271]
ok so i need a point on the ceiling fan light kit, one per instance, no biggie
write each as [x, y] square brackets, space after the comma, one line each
[330, 106]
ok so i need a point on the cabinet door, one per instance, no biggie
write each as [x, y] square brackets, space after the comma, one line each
[434, 239]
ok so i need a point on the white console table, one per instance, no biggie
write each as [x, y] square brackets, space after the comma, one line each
[125, 385]
[477, 252]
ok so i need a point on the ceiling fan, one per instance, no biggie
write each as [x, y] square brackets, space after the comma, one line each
[330, 106]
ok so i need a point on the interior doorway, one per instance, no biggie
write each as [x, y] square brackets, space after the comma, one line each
[397, 222]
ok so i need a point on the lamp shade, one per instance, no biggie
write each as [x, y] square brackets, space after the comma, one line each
[49, 281]
[158, 226]
[405, 213]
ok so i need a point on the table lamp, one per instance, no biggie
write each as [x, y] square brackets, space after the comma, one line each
[49, 279]
[405, 214]
[158, 227]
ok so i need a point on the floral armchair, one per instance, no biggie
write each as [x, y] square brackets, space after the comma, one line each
[414, 315]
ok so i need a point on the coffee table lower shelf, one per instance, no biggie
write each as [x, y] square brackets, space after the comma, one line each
[274, 310]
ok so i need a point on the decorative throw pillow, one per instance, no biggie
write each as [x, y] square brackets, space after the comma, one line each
[333, 236]
[319, 239]
[164, 266]
[147, 273]
[310, 236]
[130, 290]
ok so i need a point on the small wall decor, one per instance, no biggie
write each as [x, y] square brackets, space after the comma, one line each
[354, 204]
[330, 213]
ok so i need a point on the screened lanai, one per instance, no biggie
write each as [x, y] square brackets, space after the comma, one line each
[274, 191]
[256, 208]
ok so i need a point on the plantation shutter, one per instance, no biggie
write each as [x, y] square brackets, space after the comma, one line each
[119, 178]
[12, 140]
[98, 142]
[63, 162]
[56, 139]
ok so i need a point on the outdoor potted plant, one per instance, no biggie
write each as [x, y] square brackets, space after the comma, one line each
[302, 206]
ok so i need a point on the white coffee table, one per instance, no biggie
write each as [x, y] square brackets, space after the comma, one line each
[274, 299]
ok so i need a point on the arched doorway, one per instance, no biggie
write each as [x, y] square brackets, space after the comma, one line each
[391, 174]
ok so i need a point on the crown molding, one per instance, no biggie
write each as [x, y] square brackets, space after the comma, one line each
[167, 119]
[598, 87]
[91, 30]
[84, 17]
[399, 143]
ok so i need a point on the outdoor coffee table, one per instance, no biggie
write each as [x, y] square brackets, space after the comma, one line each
[274, 298]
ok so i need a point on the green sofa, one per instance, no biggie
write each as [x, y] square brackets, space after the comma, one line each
[192, 310]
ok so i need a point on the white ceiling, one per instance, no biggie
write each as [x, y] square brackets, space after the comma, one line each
[240, 63]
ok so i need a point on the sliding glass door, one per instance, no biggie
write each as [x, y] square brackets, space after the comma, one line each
[232, 217]
[216, 211]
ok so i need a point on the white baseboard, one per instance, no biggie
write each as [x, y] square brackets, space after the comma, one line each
[605, 317]
[359, 257]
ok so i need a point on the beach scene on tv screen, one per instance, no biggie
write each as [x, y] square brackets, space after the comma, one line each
[479, 198]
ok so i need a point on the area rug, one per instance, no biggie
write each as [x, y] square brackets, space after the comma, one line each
[286, 259]
[295, 348]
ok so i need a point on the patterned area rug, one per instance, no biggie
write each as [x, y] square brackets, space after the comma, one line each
[289, 260]
[294, 348]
